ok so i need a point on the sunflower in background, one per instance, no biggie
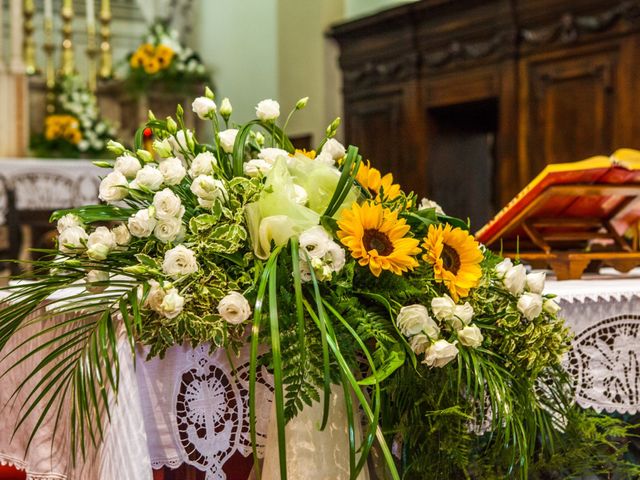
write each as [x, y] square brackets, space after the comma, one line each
[380, 187]
[151, 58]
[164, 55]
[377, 237]
[62, 127]
[455, 256]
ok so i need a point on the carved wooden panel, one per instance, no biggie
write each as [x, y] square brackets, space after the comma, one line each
[570, 108]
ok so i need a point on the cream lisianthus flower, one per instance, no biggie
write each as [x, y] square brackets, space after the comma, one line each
[149, 177]
[419, 343]
[172, 171]
[208, 188]
[100, 243]
[167, 205]
[515, 279]
[551, 307]
[155, 296]
[204, 107]
[470, 336]
[113, 187]
[440, 353]
[172, 304]
[334, 148]
[225, 108]
[168, 229]
[530, 305]
[268, 110]
[142, 223]
[256, 167]
[315, 242]
[72, 239]
[535, 282]
[128, 165]
[202, 164]
[234, 308]
[227, 139]
[122, 234]
[414, 319]
[67, 221]
[179, 261]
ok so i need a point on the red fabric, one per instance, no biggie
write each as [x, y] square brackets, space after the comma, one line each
[10, 473]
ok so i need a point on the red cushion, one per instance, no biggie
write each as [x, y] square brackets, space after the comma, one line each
[10, 473]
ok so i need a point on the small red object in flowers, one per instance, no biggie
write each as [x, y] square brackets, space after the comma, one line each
[147, 132]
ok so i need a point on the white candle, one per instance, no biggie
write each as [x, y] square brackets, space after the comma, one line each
[91, 15]
[48, 10]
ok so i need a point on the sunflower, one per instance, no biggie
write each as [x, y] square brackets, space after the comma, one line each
[151, 66]
[164, 55]
[136, 60]
[380, 187]
[455, 256]
[307, 153]
[376, 237]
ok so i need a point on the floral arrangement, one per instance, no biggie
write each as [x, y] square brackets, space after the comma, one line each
[450, 353]
[162, 58]
[76, 127]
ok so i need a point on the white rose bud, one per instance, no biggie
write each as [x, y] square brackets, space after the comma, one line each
[202, 164]
[503, 267]
[419, 343]
[67, 221]
[268, 110]
[315, 241]
[149, 177]
[144, 155]
[440, 353]
[227, 139]
[122, 235]
[113, 187]
[535, 282]
[300, 104]
[334, 148]
[271, 154]
[167, 205]
[551, 307]
[179, 261]
[443, 307]
[470, 336]
[172, 170]
[225, 108]
[72, 239]
[99, 243]
[208, 188]
[163, 148]
[414, 319]
[204, 107]
[530, 305]
[98, 252]
[115, 147]
[256, 167]
[234, 308]
[142, 223]
[168, 229]
[172, 304]
[515, 279]
[127, 165]
[96, 276]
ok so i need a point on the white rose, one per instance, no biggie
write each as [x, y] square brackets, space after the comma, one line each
[122, 235]
[419, 343]
[271, 154]
[470, 336]
[335, 257]
[168, 229]
[96, 276]
[426, 203]
[462, 315]
[181, 142]
[234, 308]
[551, 307]
[172, 304]
[100, 242]
[167, 205]
[155, 296]
[268, 110]
[334, 148]
[414, 319]
[172, 171]
[256, 167]
[443, 307]
[535, 282]
[503, 267]
[113, 187]
[149, 177]
[225, 107]
[142, 223]
[208, 188]
[515, 279]
[530, 305]
[440, 353]
[127, 165]
[204, 107]
[227, 139]
[72, 239]
[179, 261]
[315, 241]
[67, 221]
[203, 164]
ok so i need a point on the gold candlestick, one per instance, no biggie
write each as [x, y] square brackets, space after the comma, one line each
[68, 61]
[28, 46]
[92, 51]
[106, 60]
[50, 74]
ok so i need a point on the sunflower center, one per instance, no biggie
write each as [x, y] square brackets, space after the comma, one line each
[376, 240]
[450, 259]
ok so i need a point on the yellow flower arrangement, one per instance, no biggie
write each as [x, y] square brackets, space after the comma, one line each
[62, 127]
[455, 256]
[377, 237]
[152, 58]
[380, 187]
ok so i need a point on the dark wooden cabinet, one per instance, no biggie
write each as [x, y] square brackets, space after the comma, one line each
[467, 100]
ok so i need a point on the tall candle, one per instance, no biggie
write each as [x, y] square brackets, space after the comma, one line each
[91, 15]
[48, 9]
